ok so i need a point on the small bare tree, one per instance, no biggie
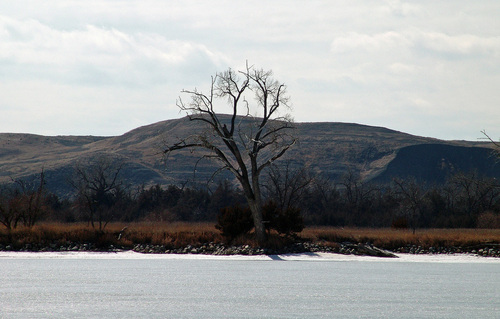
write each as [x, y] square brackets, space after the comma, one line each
[287, 185]
[99, 186]
[251, 138]
[412, 198]
[10, 214]
[32, 201]
[475, 194]
[23, 202]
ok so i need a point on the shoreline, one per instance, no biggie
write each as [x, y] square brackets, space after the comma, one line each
[218, 249]
[302, 257]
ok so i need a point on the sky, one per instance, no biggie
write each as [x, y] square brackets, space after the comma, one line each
[104, 67]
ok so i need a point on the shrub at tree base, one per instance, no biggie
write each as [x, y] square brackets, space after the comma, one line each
[284, 221]
[234, 221]
[400, 223]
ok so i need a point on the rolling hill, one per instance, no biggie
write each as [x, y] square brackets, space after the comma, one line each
[328, 149]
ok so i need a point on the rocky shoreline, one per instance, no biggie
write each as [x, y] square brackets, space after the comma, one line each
[487, 250]
[346, 248]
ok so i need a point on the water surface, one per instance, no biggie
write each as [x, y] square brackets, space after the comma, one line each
[307, 286]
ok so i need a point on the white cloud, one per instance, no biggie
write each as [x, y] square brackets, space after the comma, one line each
[402, 68]
[400, 64]
[463, 44]
[364, 42]
[386, 42]
[397, 8]
[98, 55]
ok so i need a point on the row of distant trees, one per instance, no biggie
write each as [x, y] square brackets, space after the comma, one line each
[463, 201]
[101, 196]
[247, 143]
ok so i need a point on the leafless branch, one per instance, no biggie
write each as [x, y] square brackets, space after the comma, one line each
[237, 141]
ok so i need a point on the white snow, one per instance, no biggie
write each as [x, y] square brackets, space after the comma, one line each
[321, 257]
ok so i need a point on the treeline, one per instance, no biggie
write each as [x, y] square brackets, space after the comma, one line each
[464, 201]
[23, 207]
[101, 196]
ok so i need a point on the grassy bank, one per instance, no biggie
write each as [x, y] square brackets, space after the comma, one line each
[55, 236]
[393, 239]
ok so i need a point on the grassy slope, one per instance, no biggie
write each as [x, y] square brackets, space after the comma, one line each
[329, 149]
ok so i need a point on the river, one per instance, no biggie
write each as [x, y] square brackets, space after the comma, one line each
[132, 285]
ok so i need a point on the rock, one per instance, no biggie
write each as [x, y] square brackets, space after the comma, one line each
[374, 251]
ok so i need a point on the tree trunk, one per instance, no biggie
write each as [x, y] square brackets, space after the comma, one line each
[254, 201]
[260, 230]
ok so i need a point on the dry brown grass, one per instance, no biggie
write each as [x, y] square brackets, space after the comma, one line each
[395, 238]
[177, 235]
[173, 235]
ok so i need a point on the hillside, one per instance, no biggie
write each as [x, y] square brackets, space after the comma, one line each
[329, 149]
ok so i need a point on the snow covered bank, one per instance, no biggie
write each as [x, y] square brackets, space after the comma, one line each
[320, 257]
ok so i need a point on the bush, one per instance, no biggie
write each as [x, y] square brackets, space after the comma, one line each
[400, 223]
[488, 220]
[285, 221]
[234, 221]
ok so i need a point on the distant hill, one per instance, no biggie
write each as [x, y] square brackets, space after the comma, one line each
[329, 149]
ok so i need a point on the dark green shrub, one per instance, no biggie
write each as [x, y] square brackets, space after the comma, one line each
[285, 221]
[234, 221]
[400, 223]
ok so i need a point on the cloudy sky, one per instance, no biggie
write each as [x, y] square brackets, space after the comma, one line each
[104, 67]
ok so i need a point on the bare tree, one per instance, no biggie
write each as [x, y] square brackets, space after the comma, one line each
[287, 185]
[474, 193]
[32, 201]
[99, 187]
[412, 199]
[358, 194]
[252, 137]
[495, 144]
[10, 214]
[24, 201]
